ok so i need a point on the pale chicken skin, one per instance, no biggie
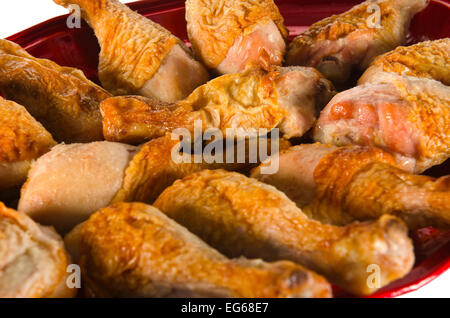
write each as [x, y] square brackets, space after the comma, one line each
[229, 36]
[407, 116]
[134, 250]
[61, 98]
[287, 98]
[345, 44]
[22, 140]
[71, 182]
[242, 216]
[429, 59]
[340, 185]
[33, 261]
[137, 55]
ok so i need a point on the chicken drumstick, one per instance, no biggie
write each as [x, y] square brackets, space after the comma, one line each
[341, 185]
[242, 216]
[134, 250]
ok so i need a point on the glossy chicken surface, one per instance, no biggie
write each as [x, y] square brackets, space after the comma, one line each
[134, 250]
[242, 216]
[230, 36]
[153, 169]
[288, 98]
[137, 55]
[61, 98]
[33, 261]
[341, 185]
[344, 44]
[22, 139]
[429, 59]
[408, 116]
[72, 181]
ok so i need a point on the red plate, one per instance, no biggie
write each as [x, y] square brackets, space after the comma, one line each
[78, 48]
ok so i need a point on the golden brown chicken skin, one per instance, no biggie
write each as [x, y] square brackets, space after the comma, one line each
[340, 185]
[61, 98]
[344, 44]
[407, 116]
[137, 55]
[134, 250]
[429, 59]
[153, 168]
[33, 262]
[22, 140]
[68, 184]
[230, 36]
[242, 216]
[287, 98]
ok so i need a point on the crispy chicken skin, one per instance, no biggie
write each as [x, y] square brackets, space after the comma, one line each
[33, 261]
[22, 140]
[429, 59]
[242, 216]
[70, 182]
[229, 36]
[343, 44]
[288, 98]
[134, 250]
[63, 195]
[153, 169]
[340, 185]
[61, 98]
[137, 55]
[408, 116]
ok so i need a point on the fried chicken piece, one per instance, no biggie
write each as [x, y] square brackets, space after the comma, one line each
[230, 36]
[33, 261]
[242, 216]
[340, 185]
[71, 182]
[61, 98]
[408, 116]
[153, 168]
[288, 98]
[343, 44]
[138, 56]
[429, 59]
[22, 140]
[134, 250]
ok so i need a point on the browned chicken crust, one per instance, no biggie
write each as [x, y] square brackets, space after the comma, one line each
[134, 250]
[61, 98]
[22, 139]
[69, 183]
[429, 59]
[133, 48]
[33, 261]
[340, 185]
[341, 44]
[242, 216]
[214, 25]
[153, 169]
[286, 97]
[359, 183]
[21, 136]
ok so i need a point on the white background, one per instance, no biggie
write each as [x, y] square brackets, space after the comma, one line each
[17, 15]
